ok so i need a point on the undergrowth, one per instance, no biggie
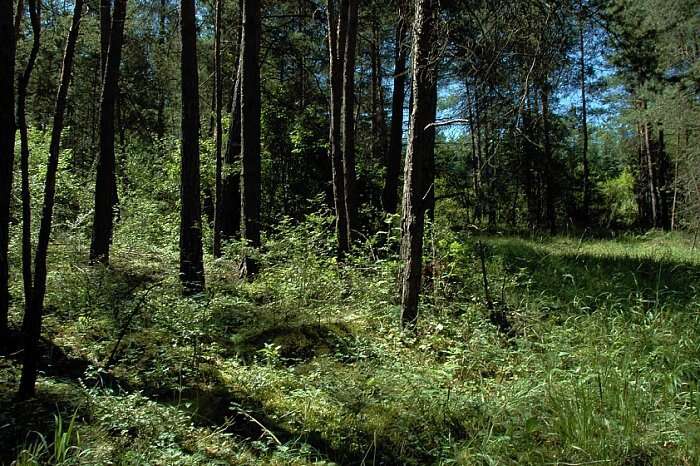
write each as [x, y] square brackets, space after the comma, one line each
[307, 365]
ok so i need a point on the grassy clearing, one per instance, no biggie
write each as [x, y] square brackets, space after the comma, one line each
[306, 365]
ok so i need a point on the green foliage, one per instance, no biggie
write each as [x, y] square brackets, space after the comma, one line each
[618, 195]
[63, 450]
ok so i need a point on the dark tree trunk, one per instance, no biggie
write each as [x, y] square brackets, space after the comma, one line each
[18, 20]
[348, 116]
[336, 46]
[420, 147]
[7, 148]
[105, 27]
[191, 263]
[250, 131]
[429, 176]
[585, 208]
[35, 17]
[218, 98]
[649, 159]
[550, 209]
[105, 186]
[228, 218]
[393, 158]
[476, 156]
[34, 312]
[378, 120]
[160, 121]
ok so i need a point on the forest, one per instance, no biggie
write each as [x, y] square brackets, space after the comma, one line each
[349, 232]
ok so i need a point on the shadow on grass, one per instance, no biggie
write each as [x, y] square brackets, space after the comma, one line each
[214, 407]
[292, 343]
[569, 276]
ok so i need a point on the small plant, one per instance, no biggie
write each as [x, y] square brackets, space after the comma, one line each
[59, 452]
[270, 354]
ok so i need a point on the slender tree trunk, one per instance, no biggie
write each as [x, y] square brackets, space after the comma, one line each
[191, 263]
[218, 98]
[250, 131]
[584, 127]
[18, 20]
[393, 159]
[476, 160]
[35, 17]
[34, 312]
[229, 205]
[665, 176]
[348, 118]
[105, 27]
[378, 120]
[650, 174]
[429, 177]
[106, 176]
[160, 126]
[419, 149]
[7, 148]
[336, 46]
[548, 169]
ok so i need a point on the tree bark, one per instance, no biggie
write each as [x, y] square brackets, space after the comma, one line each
[105, 185]
[476, 158]
[419, 149]
[160, 119]
[550, 209]
[348, 116]
[393, 159]
[650, 173]
[22, 85]
[336, 46]
[34, 312]
[191, 263]
[105, 27]
[228, 219]
[7, 148]
[584, 124]
[378, 120]
[250, 131]
[218, 98]
[429, 177]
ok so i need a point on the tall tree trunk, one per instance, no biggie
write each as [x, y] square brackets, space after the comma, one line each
[664, 180]
[584, 123]
[649, 159]
[378, 120]
[105, 185]
[349, 117]
[476, 158]
[548, 160]
[7, 148]
[191, 263]
[35, 17]
[34, 312]
[228, 218]
[18, 20]
[218, 98]
[429, 176]
[336, 46]
[105, 27]
[160, 119]
[393, 159]
[419, 149]
[250, 131]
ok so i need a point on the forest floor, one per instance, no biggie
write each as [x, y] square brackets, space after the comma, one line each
[307, 365]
